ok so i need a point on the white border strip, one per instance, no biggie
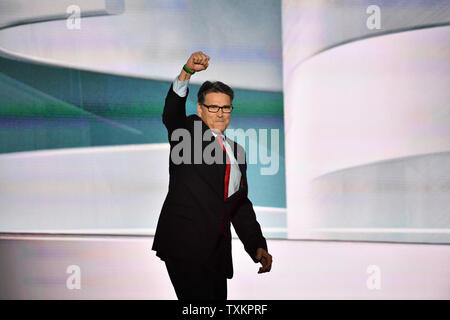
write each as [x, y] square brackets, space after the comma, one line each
[86, 150]
[117, 231]
[270, 209]
[151, 231]
[69, 237]
[380, 230]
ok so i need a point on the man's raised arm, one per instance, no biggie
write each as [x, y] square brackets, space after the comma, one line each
[174, 113]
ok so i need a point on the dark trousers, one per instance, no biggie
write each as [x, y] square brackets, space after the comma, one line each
[196, 282]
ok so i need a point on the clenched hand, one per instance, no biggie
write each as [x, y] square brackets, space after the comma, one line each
[265, 259]
[198, 61]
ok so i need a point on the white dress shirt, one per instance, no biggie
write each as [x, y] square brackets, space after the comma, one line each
[180, 88]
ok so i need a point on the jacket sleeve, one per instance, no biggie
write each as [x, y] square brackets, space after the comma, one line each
[174, 114]
[248, 229]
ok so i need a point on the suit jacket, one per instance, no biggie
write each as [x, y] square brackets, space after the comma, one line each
[194, 223]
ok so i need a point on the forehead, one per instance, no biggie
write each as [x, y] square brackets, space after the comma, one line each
[217, 98]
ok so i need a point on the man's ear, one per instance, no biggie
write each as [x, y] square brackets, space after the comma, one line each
[199, 110]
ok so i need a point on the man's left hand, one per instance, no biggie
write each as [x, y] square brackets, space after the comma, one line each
[265, 259]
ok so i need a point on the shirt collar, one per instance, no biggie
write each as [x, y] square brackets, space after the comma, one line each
[216, 134]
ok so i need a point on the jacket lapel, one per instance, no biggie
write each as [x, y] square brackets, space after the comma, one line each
[237, 155]
[213, 174]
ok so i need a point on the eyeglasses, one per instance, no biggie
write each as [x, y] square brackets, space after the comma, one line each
[214, 109]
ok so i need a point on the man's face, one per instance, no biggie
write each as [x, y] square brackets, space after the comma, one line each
[215, 121]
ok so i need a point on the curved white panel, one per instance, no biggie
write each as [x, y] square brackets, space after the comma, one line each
[377, 99]
[153, 40]
[95, 188]
[310, 26]
[24, 11]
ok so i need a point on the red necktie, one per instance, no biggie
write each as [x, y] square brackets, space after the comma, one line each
[227, 171]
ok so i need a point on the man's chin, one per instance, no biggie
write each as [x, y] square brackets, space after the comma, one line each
[219, 129]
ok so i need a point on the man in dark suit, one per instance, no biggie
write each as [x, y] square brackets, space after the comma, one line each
[193, 234]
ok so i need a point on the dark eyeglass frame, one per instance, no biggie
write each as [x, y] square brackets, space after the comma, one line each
[218, 108]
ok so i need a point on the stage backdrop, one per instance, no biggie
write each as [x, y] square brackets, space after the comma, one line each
[358, 88]
[367, 119]
[82, 88]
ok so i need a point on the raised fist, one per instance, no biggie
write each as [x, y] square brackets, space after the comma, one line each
[198, 61]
